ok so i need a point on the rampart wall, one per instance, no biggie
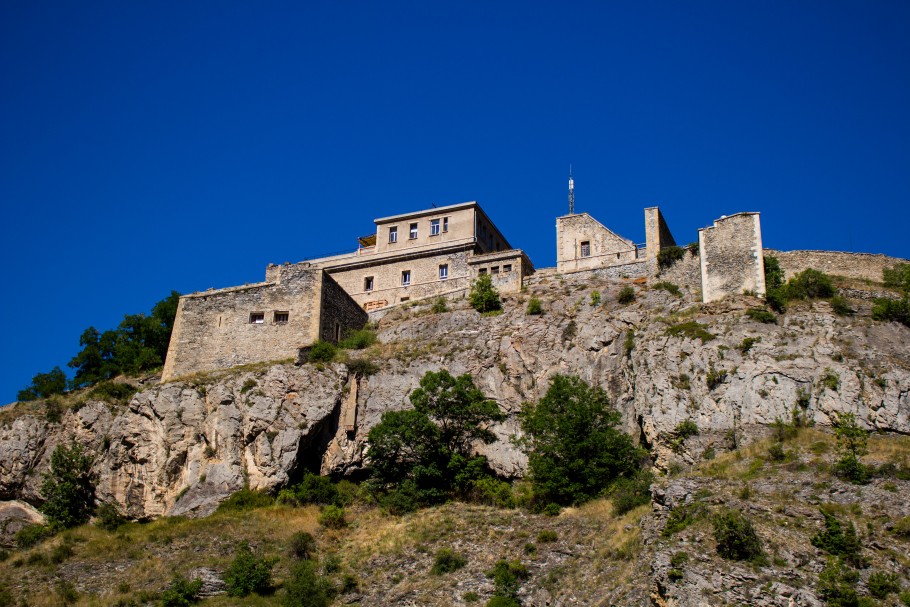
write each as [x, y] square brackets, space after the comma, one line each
[685, 273]
[340, 313]
[731, 257]
[867, 266]
[604, 247]
[657, 234]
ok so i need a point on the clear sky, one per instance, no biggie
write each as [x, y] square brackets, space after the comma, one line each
[150, 146]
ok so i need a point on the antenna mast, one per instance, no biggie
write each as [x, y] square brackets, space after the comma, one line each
[571, 192]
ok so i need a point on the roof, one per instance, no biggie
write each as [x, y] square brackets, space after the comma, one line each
[430, 211]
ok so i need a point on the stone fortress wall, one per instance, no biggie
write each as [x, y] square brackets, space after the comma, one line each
[223, 328]
[731, 257]
[865, 266]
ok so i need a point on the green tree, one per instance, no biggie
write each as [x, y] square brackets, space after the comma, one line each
[851, 438]
[574, 449]
[69, 487]
[810, 284]
[248, 573]
[735, 536]
[483, 296]
[428, 451]
[774, 275]
[897, 277]
[44, 385]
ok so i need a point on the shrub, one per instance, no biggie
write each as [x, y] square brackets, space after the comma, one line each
[32, 535]
[439, 306]
[6, 597]
[897, 277]
[566, 465]
[248, 573]
[836, 585]
[69, 487]
[776, 300]
[629, 343]
[881, 584]
[897, 310]
[305, 587]
[595, 298]
[483, 296]
[507, 577]
[902, 527]
[315, 489]
[838, 539]
[547, 536]
[502, 601]
[117, 392]
[679, 559]
[691, 330]
[669, 287]
[181, 592]
[830, 380]
[534, 307]
[362, 367]
[333, 517]
[109, 517]
[493, 492]
[685, 429]
[841, 307]
[626, 295]
[668, 256]
[447, 561]
[763, 316]
[735, 536]
[629, 493]
[302, 545]
[747, 343]
[810, 284]
[358, 340]
[715, 377]
[245, 499]
[322, 352]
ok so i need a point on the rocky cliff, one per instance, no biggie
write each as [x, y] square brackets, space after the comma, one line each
[181, 447]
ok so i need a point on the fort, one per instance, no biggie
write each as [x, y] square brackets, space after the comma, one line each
[437, 252]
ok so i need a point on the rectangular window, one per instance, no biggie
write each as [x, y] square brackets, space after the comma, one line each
[257, 318]
[445, 224]
[393, 234]
[586, 248]
[506, 268]
[482, 271]
[413, 232]
[443, 271]
[405, 278]
[281, 317]
[434, 227]
[494, 270]
[368, 283]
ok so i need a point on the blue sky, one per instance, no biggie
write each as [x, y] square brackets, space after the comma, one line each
[148, 146]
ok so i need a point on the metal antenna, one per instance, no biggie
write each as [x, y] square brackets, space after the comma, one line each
[571, 192]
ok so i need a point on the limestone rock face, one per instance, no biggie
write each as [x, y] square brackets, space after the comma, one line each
[14, 516]
[182, 447]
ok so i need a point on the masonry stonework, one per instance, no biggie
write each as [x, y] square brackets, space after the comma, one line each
[867, 266]
[731, 257]
[259, 322]
[657, 234]
[583, 243]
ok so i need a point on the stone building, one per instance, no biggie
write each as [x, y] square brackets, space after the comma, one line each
[266, 321]
[583, 243]
[730, 252]
[427, 253]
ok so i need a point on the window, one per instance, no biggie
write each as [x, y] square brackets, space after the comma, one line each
[393, 234]
[413, 232]
[494, 270]
[586, 248]
[434, 227]
[506, 268]
[405, 278]
[257, 318]
[368, 283]
[443, 271]
[445, 224]
[482, 271]
[281, 317]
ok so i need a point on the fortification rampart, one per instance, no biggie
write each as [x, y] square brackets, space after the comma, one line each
[685, 273]
[731, 257]
[866, 266]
